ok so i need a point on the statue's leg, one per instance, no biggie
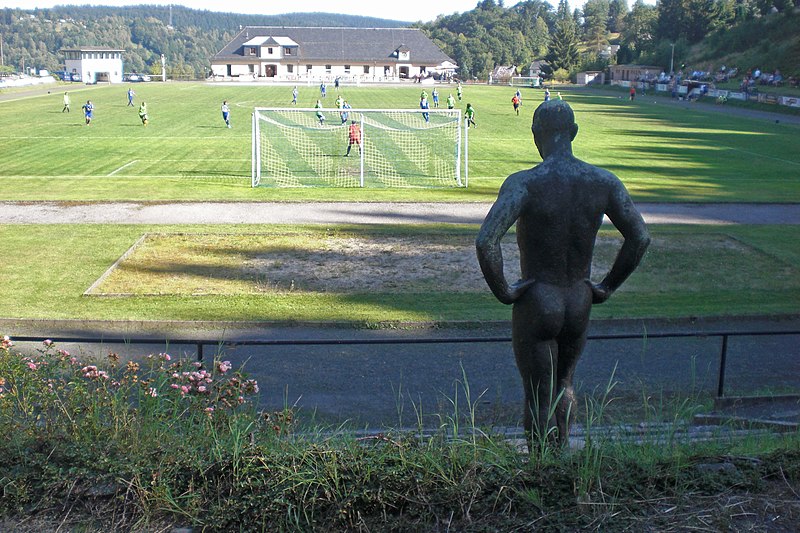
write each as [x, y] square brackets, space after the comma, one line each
[571, 342]
[569, 352]
[537, 318]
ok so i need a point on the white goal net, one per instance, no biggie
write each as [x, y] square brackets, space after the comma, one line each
[358, 147]
[525, 81]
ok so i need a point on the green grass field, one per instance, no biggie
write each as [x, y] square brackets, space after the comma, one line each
[662, 152]
[689, 271]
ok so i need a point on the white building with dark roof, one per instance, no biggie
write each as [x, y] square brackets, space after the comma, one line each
[94, 63]
[305, 54]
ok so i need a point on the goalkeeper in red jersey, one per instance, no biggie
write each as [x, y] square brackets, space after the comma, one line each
[354, 136]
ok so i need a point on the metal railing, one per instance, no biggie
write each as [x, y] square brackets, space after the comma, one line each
[201, 343]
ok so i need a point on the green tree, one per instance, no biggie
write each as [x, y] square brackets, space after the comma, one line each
[540, 38]
[617, 10]
[671, 17]
[595, 23]
[563, 51]
[638, 34]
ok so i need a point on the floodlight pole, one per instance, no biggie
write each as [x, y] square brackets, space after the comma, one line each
[164, 64]
[671, 59]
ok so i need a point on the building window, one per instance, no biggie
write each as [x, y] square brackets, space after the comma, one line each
[269, 51]
[287, 51]
[290, 68]
[347, 69]
[252, 51]
[308, 68]
[327, 69]
[366, 69]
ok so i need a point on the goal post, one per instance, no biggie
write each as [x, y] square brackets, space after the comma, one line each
[307, 147]
[525, 81]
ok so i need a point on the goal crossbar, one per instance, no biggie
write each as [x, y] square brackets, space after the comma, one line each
[358, 147]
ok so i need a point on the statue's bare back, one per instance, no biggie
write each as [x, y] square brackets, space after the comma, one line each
[558, 207]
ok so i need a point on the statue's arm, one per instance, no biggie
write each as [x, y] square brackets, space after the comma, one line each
[501, 217]
[629, 222]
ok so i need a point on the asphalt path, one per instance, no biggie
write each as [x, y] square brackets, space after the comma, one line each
[381, 379]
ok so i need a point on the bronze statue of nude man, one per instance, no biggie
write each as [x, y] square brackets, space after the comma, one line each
[558, 207]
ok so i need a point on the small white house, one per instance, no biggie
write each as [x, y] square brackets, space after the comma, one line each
[590, 77]
[94, 63]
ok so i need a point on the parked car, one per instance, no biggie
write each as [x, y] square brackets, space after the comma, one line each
[133, 77]
[145, 77]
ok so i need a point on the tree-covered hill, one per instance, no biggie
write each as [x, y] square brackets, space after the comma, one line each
[33, 37]
[575, 37]
[700, 33]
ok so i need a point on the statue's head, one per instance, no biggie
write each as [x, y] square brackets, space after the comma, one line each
[553, 125]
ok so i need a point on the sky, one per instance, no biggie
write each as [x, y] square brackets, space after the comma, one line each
[406, 10]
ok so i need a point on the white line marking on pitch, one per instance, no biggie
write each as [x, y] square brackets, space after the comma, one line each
[123, 166]
[767, 156]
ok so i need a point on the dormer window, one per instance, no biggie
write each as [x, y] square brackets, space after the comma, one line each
[287, 51]
[252, 51]
[402, 53]
[269, 51]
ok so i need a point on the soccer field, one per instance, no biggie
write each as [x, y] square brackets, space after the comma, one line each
[662, 151]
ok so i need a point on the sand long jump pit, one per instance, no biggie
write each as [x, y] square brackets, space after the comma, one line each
[343, 261]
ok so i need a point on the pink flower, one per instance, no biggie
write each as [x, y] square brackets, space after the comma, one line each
[91, 372]
[152, 392]
[165, 356]
[251, 386]
[201, 388]
[63, 353]
[175, 386]
[32, 365]
[47, 342]
[224, 366]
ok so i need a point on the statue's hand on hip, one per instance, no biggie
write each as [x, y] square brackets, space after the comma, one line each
[600, 293]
